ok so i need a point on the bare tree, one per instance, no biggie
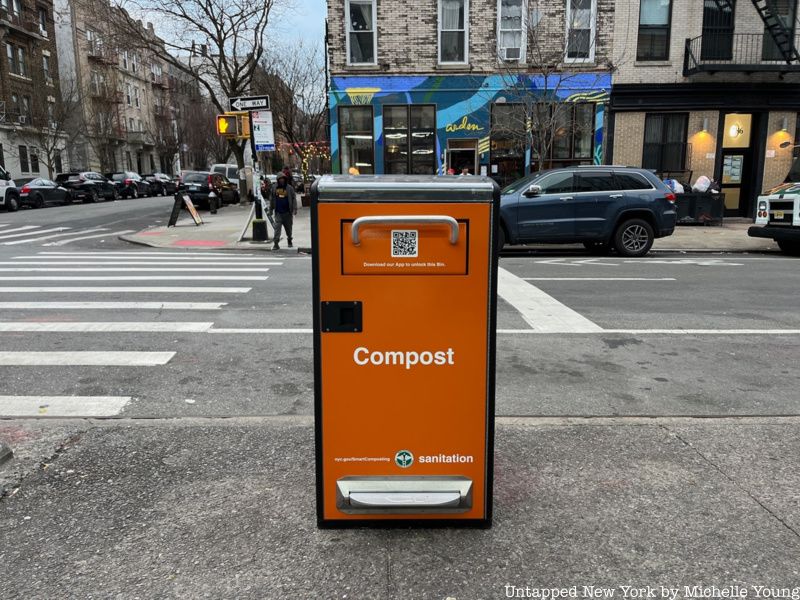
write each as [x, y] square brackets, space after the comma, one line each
[55, 123]
[219, 43]
[547, 74]
[196, 128]
[294, 78]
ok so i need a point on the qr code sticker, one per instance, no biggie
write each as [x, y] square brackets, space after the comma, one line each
[404, 243]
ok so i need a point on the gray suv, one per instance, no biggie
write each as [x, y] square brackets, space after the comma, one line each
[603, 207]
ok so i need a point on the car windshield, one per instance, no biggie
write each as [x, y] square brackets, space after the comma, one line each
[518, 185]
[195, 178]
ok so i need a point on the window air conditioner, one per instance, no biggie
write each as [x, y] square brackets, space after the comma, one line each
[22, 119]
[512, 54]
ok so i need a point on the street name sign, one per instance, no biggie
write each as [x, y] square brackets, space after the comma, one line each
[262, 131]
[249, 102]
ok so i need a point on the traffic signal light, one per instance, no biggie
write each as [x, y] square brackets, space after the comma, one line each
[227, 125]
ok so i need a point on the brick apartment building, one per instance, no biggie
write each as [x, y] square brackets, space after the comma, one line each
[707, 87]
[425, 86]
[127, 120]
[29, 87]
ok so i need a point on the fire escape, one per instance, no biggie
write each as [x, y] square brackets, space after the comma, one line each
[775, 50]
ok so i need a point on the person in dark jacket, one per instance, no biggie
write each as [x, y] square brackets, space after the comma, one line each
[283, 202]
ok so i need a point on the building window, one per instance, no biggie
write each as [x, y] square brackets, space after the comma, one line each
[136, 96]
[511, 36]
[43, 21]
[12, 64]
[2, 157]
[125, 60]
[717, 38]
[46, 68]
[453, 31]
[580, 30]
[14, 7]
[785, 10]
[508, 139]
[128, 94]
[134, 60]
[34, 160]
[57, 161]
[128, 161]
[131, 124]
[409, 138]
[356, 139]
[23, 159]
[22, 65]
[26, 108]
[361, 32]
[654, 26]
[665, 142]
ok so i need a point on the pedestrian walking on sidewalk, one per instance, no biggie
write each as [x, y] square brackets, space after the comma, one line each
[283, 202]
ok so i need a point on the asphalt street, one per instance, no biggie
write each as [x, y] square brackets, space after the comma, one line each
[160, 404]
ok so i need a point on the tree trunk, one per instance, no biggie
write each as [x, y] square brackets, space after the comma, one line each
[238, 152]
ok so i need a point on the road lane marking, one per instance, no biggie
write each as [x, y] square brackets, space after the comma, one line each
[26, 233]
[705, 331]
[89, 263]
[68, 269]
[22, 228]
[541, 311]
[138, 278]
[258, 330]
[112, 305]
[55, 235]
[599, 279]
[142, 253]
[125, 290]
[62, 406]
[151, 260]
[104, 327]
[84, 359]
[88, 237]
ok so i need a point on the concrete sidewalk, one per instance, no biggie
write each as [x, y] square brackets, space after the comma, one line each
[222, 231]
[199, 508]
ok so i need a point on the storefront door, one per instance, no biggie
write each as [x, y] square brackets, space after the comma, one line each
[737, 175]
[462, 153]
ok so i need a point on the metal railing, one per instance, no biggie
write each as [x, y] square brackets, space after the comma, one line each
[739, 52]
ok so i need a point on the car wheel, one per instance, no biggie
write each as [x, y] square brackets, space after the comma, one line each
[598, 248]
[38, 201]
[790, 248]
[135, 193]
[12, 203]
[67, 198]
[633, 238]
[115, 194]
[92, 197]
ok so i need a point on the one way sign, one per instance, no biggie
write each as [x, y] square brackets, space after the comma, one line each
[250, 103]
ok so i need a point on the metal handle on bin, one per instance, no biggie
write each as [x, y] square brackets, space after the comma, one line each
[406, 220]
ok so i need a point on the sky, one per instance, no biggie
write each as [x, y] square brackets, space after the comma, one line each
[303, 19]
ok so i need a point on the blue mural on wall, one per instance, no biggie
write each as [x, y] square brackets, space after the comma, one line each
[462, 102]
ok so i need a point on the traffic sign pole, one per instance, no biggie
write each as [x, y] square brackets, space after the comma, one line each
[259, 214]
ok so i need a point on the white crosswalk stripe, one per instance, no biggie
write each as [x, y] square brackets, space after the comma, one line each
[33, 234]
[62, 406]
[59, 295]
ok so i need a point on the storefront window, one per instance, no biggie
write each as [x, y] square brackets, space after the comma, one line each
[508, 142]
[356, 139]
[409, 134]
[566, 137]
[665, 142]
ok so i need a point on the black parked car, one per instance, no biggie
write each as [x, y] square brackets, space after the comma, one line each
[38, 191]
[161, 184]
[88, 186]
[600, 206]
[130, 184]
[199, 184]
